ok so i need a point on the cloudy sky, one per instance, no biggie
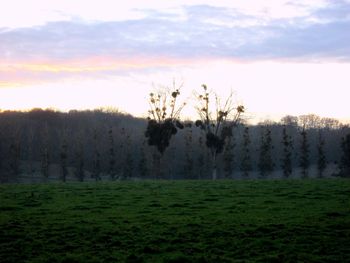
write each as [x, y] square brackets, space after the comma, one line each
[279, 56]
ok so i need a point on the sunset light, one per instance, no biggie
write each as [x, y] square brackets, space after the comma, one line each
[278, 57]
[174, 131]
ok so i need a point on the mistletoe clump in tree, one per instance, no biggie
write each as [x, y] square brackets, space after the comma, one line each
[217, 126]
[164, 119]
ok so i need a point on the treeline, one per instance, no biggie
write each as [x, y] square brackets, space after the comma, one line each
[46, 145]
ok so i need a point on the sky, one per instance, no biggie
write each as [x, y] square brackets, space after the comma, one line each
[280, 57]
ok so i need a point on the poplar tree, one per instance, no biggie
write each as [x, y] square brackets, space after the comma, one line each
[45, 162]
[2, 177]
[188, 167]
[45, 157]
[345, 159]
[111, 155]
[128, 161]
[64, 157]
[286, 161]
[304, 161]
[246, 163]
[265, 164]
[321, 158]
[143, 164]
[201, 158]
[79, 159]
[96, 163]
[15, 155]
[122, 150]
[30, 152]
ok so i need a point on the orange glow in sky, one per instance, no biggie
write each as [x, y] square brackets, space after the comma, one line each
[268, 89]
[280, 57]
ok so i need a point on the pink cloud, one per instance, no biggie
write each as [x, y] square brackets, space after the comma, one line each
[19, 73]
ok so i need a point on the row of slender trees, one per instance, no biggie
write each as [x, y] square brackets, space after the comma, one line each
[219, 123]
[44, 145]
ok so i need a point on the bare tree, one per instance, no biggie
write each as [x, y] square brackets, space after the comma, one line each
[290, 120]
[310, 121]
[217, 125]
[330, 123]
[163, 120]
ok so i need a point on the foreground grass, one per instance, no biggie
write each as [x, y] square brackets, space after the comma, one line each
[180, 221]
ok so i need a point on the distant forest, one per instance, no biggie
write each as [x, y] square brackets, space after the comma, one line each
[47, 145]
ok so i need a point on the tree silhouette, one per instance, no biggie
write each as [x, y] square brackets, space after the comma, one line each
[79, 159]
[163, 121]
[143, 164]
[111, 154]
[64, 157]
[15, 155]
[287, 153]
[321, 160]
[127, 160]
[265, 164]
[96, 162]
[217, 126]
[45, 156]
[162, 125]
[30, 152]
[36, 137]
[201, 158]
[189, 164]
[246, 163]
[122, 151]
[228, 155]
[304, 153]
[345, 159]
[171, 164]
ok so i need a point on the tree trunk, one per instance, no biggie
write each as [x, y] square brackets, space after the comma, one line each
[157, 165]
[214, 174]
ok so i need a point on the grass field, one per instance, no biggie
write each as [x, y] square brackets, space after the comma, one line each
[177, 221]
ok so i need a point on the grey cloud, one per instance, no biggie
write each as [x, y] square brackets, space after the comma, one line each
[336, 10]
[326, 39]
[162, 34]
[316, 43]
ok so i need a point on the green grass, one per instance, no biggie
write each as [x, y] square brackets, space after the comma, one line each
[177, 221]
